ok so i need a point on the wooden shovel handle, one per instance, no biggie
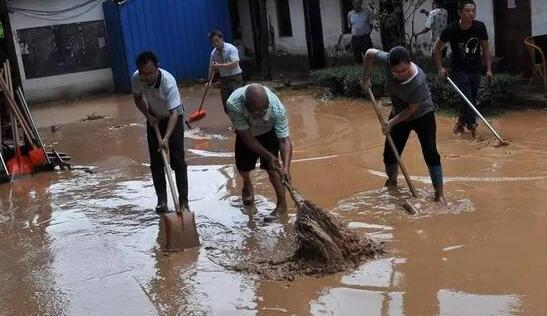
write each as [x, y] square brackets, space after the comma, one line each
[167, 168]
[15, 110]
[392, 144]
[211, 76]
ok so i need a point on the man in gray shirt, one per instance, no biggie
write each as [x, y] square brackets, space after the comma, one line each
[360, 23]
[224, 64]
[413, 109]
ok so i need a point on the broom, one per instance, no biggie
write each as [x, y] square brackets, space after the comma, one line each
[200, 114]
[321, 238]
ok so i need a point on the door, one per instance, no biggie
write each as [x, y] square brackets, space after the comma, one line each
[512, 25]
[314, 34]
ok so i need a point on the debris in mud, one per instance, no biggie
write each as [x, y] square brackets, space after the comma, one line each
[323, 94]
[322, 239]
[320, 245]
[93, 117]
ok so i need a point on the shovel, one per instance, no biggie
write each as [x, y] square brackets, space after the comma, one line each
[404, 203]
[501, 141]
[392, 145]
[37, 156]
[200, 114]
[180, 226]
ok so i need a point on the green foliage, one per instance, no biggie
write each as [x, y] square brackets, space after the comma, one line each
[345, 81]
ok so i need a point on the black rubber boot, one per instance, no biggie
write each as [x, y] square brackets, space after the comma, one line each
[391, 171]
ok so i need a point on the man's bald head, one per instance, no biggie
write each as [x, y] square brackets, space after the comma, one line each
[256, 100]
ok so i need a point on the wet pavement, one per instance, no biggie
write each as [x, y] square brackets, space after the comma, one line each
[74, 243]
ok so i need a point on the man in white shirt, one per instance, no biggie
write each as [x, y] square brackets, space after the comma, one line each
[224, 64]
[156, 95]
[360, 23]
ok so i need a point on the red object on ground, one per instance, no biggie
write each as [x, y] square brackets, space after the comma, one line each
[19, 164]
[200, 114]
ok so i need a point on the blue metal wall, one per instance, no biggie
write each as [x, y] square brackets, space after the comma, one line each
[176, 30]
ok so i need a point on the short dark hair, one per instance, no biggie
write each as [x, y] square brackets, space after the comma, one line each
[214, 33]
[397, 55]
[463, 3]
[146, 57]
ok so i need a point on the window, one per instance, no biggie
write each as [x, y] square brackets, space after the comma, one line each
[284, 18]
[234, 19]
[346, 6]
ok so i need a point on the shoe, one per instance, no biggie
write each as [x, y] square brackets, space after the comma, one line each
[458, 129]
[247, 196]
[184, 207]
[439, 197]
[161, 208]
[474, 133]
[275, 214]
[390, 183]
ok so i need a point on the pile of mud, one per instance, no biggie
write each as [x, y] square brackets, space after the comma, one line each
[322, 246]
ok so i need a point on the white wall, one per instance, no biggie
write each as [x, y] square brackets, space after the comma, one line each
[485, 14]
[67, 85]
[246, 28]
[331, 19]
[296, 44]
[539, 17]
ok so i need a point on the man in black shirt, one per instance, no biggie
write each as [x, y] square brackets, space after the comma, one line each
[467, 39]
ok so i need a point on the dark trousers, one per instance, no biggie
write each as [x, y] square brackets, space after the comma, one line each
[176, 157]
[228, 85]
[426, 128]
[359, 46]
[469, 83]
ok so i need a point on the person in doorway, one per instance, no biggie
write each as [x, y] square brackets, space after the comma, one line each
[224, 64]
[157, 96]
[436, 22]
[413, 109]
[262, 131]
[360, 23]
[467, 38]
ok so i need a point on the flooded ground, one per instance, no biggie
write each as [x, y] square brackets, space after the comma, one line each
[74, 243]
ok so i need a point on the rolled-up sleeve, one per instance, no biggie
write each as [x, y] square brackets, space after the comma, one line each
[136, 84]
[236, 115]
[173, 97]
[280, 120]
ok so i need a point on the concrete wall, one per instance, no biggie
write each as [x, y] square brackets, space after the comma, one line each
[539, 17]
[331, 18]
[67, 85]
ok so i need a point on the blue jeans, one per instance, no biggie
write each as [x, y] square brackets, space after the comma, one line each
[469, 83]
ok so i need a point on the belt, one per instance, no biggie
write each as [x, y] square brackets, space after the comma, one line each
[231, 76]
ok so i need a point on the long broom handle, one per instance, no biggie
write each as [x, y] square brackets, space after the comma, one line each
[206, 89]
[391, 144]
[166, 166]
[474, 109]
[16, 111]
[9, 89]
[33, 127]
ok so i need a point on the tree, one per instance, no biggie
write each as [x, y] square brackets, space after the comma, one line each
[395, 16]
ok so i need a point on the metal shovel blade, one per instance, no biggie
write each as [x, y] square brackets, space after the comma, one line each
[180, 231]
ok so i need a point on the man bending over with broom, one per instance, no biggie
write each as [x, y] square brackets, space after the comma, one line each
[413, 109]
[157, 96]
[262, 129]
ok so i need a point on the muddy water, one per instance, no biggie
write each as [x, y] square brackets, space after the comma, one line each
[89, 244]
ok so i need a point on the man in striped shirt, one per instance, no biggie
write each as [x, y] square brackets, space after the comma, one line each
[262, 131]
